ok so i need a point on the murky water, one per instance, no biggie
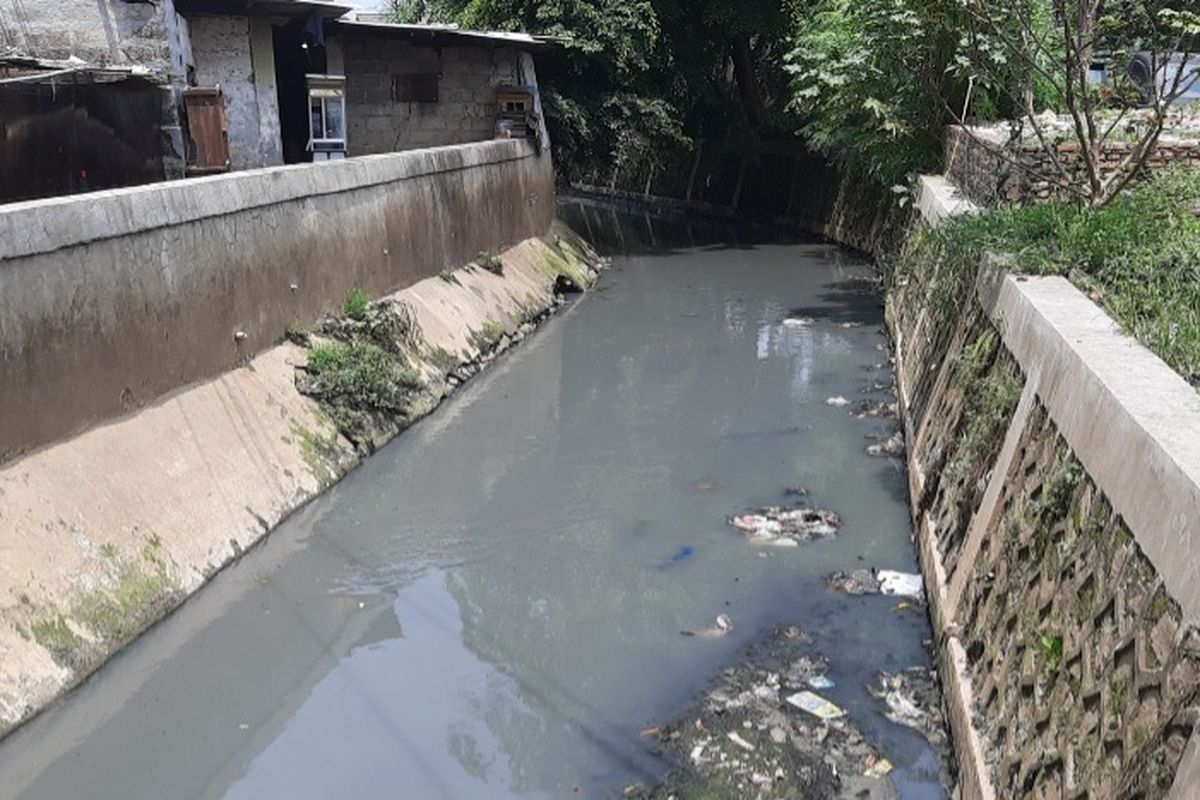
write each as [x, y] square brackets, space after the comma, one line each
[491, 606]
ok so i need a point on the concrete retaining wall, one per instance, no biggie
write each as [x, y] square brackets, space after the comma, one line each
[103, 534]
[1055, 479]
[109, 300]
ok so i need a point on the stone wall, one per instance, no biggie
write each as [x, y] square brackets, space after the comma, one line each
[466, 79]
[111, 299]
[990, 172]
[1055, 484]
[236, 54]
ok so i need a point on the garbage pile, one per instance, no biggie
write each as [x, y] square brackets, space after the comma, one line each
[787, 527]
[860, 582]
[761, 731]
[913, 698]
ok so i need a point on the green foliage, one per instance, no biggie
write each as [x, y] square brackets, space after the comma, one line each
[356, 304]
[1051, 648]
[865, 77]
[362, 374]
[1139, 257]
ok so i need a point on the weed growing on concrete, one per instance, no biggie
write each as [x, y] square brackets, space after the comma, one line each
[356, 304]
[491, 262]
[1051, 648]
[320, 453]
[64, 645]
[448, 275]
[139, 595]
[486, 339]
[1058, 494]
[361, 386]
[991, 388]
[363, 373]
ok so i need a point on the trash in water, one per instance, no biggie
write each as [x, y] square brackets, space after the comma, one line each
[900, 584]
[820, 682]
[837, 401]
[795, 491]
[740, 742]
[893, 446]
[912, 698]
[861, 582]
[798, 322]
[722, 627]
[706, 485]
[856, 582]
[787, 527]
[870, 408]
[816, 705]
[682, 554]
[746, 739]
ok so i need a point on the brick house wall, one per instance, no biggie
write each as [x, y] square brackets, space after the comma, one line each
[465, 78]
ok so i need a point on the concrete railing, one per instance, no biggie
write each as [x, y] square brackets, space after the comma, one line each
[109, 300]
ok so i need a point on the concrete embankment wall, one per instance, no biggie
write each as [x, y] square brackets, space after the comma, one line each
[151, 418]
[103, 534]
[1055, 482]
[112, 299]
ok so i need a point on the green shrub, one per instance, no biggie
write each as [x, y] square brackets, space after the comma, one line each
[361, 374]
[356, 305]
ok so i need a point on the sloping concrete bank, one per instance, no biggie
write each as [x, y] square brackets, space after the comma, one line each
[111, 299]
[1055, 484]
[103, 534]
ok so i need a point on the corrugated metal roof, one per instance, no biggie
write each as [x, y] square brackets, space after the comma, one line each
[327, 9]
[449, 34]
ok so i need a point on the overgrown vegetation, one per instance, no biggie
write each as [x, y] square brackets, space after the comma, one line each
[360, 377]
[1139, 257]
[990, 393]
[358, 368]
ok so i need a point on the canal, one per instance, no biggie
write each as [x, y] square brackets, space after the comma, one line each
[492, 605]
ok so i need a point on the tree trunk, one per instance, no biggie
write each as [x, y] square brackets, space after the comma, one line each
[743, 72]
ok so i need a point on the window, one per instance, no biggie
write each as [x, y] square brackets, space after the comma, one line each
[327, 108]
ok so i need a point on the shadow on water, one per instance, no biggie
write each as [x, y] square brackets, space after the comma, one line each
[629, 232]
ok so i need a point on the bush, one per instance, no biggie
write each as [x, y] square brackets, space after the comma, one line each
[362, 375]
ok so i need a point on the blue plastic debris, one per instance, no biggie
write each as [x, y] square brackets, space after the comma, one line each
[682, 554]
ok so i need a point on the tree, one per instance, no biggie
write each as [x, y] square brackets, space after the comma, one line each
[867, 79]
[1044, 50]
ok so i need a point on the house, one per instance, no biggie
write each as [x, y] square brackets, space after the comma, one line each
[98, 94]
